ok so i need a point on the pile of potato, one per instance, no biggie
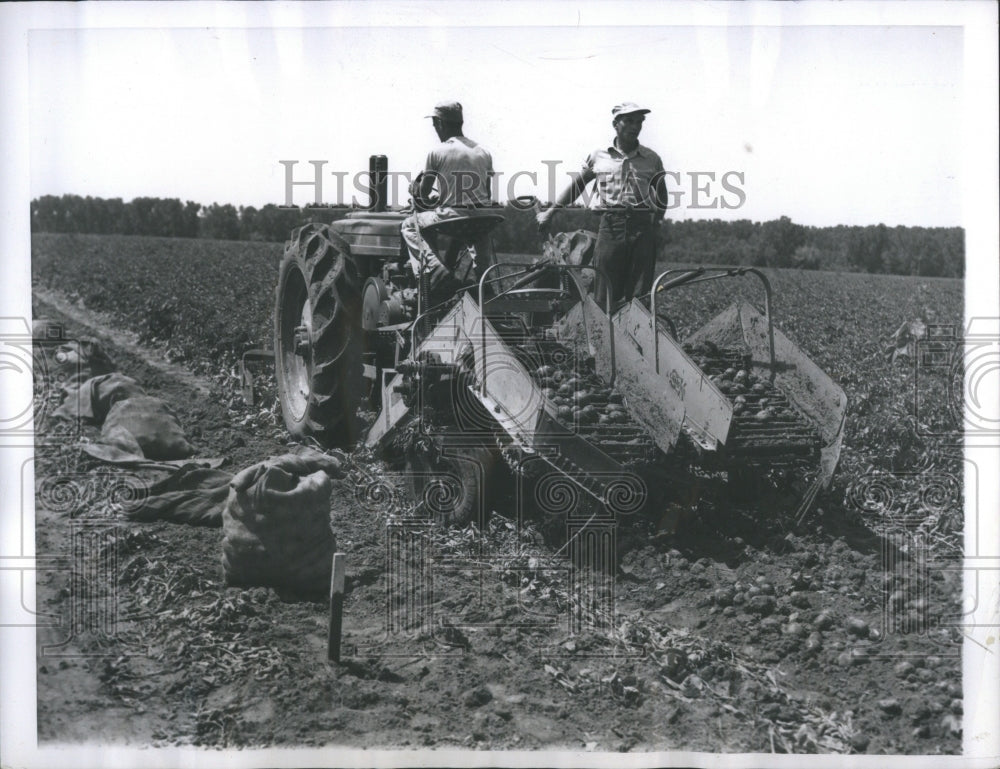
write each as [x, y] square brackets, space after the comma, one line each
[583, 402]
[751, 396]
[758, 406]
[581, 398]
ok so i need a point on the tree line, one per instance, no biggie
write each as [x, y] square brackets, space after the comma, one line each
[925, 251]
[166, 217]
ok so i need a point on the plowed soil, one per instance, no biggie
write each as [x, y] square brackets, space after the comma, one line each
[730, 629]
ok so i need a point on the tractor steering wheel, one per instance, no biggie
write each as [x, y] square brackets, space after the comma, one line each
[420, 203]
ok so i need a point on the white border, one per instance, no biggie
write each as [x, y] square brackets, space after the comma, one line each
[980, 207]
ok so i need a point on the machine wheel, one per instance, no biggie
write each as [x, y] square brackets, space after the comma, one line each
[374, 299]
[317, 337]
[453, 490]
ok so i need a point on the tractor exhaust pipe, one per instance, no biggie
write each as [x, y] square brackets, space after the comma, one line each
[378, 183]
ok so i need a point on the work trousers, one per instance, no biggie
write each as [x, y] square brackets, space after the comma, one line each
[626, 251]
[419, 249]
[446, 273]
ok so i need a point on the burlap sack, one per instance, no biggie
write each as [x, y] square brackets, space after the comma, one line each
[191, 494]
[147, 424]
[94, 398]
[78, 360]
[576, 248]
[276, 524]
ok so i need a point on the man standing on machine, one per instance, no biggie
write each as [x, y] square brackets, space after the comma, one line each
[631, 199]
[462, 172]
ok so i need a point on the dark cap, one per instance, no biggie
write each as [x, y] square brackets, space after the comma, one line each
[449, 111]
[628, 108]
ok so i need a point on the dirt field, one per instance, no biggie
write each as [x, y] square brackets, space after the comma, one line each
[733, 635]
[731, 628]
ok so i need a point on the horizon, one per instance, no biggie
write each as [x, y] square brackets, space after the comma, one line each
[400, 209]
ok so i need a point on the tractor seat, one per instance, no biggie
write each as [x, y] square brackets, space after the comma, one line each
[465, 229]
[449, 236]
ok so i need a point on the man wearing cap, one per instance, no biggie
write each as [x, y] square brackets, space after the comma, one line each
[631, 197]
[462, 170]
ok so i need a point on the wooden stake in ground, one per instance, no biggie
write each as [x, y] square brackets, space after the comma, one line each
[336, 607]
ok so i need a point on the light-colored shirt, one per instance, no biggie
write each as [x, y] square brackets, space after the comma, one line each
[463, 170]
[624, 179]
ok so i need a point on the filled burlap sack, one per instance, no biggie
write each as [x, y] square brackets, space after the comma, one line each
[145, 425]
[276, 524]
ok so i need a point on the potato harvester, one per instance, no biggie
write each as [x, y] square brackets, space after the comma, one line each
[512, 365]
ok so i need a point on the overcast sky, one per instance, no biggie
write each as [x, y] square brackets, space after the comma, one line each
[824, 124]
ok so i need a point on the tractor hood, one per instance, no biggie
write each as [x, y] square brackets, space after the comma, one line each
[370, 234]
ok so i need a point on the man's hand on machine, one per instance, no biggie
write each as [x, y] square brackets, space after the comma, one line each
[544, 219]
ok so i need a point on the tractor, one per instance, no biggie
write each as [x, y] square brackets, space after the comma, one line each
[512, 369]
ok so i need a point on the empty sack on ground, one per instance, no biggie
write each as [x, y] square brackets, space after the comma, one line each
[146, 425]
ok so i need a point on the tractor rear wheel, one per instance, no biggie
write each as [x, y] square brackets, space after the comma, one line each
[318, 338]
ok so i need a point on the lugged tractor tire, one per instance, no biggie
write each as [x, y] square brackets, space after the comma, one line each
[318, 338]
